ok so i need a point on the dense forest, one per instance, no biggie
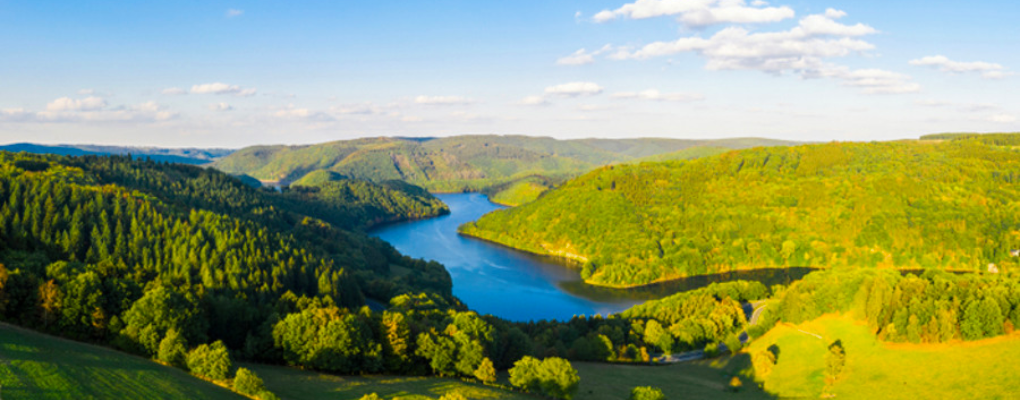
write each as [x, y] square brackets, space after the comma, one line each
[917, 204]
[462, 163]
[368, 203]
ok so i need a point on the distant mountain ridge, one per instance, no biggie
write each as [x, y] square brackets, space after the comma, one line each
[459, 163]
[194, 156]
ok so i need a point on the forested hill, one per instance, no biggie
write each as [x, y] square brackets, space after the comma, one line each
[99, 232]
[457, 163]
[174, 155]
[366, 203]
[919, 204]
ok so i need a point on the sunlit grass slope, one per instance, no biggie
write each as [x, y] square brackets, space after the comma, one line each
[38, 367]
[875, 370]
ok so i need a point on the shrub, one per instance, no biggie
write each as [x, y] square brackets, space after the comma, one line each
[646, 393]
[247, 383]
[210, 361]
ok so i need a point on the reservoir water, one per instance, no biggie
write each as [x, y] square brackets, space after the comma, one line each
[519, 286]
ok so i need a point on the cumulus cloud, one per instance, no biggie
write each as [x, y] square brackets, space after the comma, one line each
[233, 12]
[534, 101]
[68, 104]
[944, 64]
[174, 91]
[574, 89]
[292, 112]
[655, 95]
[222, 88]
[582, 56]
[802, 50]
[443, 100]
[699, 13]
[220, 107]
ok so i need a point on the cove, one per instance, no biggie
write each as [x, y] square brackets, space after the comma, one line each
[520, 286]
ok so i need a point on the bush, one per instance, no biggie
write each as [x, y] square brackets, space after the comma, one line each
[646, 393]
[554, 377]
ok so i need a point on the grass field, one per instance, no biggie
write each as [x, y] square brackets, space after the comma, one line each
[986, 369]
[37, 366]
[295, 384]
[699, 380]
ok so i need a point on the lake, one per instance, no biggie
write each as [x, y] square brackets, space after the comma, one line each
[519, 286]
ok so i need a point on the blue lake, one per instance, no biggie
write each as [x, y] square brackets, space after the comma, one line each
[519, 286]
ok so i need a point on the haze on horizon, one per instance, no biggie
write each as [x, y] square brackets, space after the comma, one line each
[233, 74]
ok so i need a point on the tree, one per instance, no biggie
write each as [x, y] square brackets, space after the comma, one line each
[646, 393]
[658, 337]
[371, 396]
[558, 378]
[173, 349]
[247, 383]
[486, 372]
[210, 361]
[525, 374]
[835, 360]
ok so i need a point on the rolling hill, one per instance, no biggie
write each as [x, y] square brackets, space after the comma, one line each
[458, 163]
[905, 204]
[173, 155]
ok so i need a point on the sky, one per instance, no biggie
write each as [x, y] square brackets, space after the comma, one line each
[244, 72]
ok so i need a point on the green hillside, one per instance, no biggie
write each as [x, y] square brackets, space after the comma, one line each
[366, 202]
[37, 367]
[459, 163]
[906, 205]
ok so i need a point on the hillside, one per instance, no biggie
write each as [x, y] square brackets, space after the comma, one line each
[458, 163]
[38, 366]
[906, 205]
[367, 202]
[172, 155]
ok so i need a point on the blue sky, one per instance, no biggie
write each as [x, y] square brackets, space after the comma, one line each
[209, 73]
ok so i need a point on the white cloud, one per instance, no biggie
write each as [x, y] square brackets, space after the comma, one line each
[699, 13]
[222, 88]
[87, 92]
[1002, 118]
[291, 112]
[91, 109]
[220, 107]
[655, 95]
[443, 100]
[582, 56]
[944, 64]
[534, 101]
[68, 104]
[574, 89]
[174, 91]
[233, 12]
[801, 50]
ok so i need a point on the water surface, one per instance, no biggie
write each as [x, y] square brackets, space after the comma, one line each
[519, 286]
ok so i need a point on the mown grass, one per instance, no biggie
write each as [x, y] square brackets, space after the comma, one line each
[295, 384]
[698, 380]
[38, 366]
[986, 369]
[519, 193]
[705, 379]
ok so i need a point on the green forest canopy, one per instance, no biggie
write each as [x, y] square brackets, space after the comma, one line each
[458, 163]
[906, 204]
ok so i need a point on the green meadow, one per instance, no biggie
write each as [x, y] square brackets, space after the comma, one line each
[984, 369]
[37, 366]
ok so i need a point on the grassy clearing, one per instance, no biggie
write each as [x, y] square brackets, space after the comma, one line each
[706, 379]
[38, 366]
[984, 369]
[295, 384]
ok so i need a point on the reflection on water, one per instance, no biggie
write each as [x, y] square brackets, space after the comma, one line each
[520, 286]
